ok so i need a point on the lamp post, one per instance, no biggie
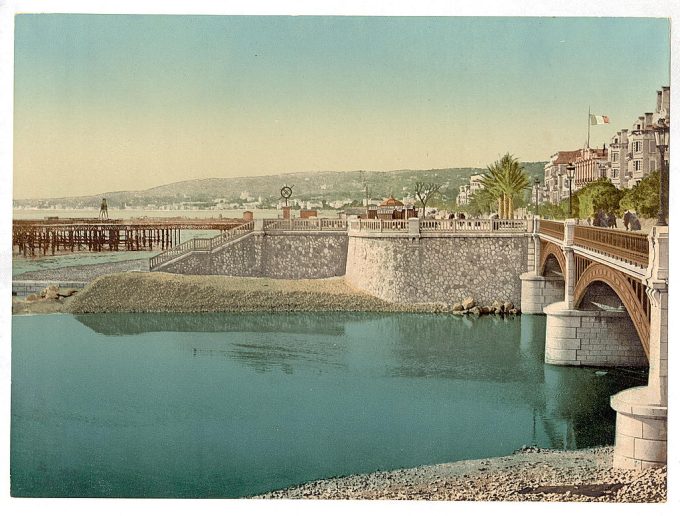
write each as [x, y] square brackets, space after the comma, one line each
[536, 183]
[662, 137]
[570, 176]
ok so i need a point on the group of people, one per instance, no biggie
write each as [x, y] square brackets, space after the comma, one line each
[608, 220]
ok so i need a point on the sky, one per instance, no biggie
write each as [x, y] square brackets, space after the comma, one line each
[120, 102]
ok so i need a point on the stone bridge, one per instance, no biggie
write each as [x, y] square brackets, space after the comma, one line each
[605, 294]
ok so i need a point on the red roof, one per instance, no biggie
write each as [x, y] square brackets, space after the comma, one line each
[566, 157]
[391, 202]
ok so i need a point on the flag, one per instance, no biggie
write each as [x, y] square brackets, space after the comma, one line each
[599, 119]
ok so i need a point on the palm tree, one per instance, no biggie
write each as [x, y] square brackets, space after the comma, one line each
[505, 179]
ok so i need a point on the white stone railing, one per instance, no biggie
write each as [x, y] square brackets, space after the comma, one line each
[304, 225]
[441, 226]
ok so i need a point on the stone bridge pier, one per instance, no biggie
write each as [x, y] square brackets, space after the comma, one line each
[577, 282]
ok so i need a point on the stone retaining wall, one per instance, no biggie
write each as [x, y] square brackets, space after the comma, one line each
[306, 255]
[438, 269]
[591, 338]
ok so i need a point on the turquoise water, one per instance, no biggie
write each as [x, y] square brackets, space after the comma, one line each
[231, 405]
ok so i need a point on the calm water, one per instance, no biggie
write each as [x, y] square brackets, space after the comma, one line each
[217, 405]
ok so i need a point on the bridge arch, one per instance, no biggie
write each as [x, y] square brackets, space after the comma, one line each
[633, 299]
[548, 250]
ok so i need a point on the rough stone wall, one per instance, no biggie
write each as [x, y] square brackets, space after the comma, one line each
[284, 256]
[304, 256]
[438, 269]
[591, 338]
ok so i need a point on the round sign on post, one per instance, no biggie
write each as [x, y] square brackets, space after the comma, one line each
[286, 192]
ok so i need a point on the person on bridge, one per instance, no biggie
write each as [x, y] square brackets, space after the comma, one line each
[104, 210]
[611, 221]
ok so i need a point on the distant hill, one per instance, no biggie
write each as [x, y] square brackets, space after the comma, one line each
[307, 186]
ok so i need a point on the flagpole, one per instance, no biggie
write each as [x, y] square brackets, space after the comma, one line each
[588, 144]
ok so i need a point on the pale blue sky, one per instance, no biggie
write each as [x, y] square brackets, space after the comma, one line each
[107, 102]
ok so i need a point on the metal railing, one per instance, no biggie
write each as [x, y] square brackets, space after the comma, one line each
[551, 228]
[631, 248]
[305, 225]
[200, 244]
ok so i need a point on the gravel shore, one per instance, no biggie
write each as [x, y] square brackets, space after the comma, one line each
[162, 292]
[527, 475]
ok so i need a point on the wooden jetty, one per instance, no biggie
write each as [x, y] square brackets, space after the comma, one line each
[52, 235]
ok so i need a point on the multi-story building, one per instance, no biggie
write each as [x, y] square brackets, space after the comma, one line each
[465, 192]
[590, 166]
[555, 175]
[617, 164]
[632, 153]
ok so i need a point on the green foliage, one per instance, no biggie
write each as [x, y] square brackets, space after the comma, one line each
[504, 180]
[643, 198]
[482, 202]
[556, 211]
[595, 196]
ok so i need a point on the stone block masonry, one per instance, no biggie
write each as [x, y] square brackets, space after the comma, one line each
[540, 291]
[591, 338]
[438, 269]
[308, 255]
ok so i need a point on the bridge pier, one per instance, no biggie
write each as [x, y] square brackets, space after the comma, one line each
[595, 338]
[540, 291]
[642, 412]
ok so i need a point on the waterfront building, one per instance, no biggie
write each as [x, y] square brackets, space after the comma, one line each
[590, 166]
[555, 175]
[632, 155]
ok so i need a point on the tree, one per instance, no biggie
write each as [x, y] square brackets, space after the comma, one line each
[643, 198]
[598, 195]
[425, 191]
[481, 203]
[505, 179]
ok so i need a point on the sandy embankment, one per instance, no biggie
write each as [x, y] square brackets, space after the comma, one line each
[528, 475]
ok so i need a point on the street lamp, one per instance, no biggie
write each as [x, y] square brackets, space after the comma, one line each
[536, 184]
[570, 176]
[662, 137]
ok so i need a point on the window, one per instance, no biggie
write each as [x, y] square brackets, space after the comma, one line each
[615, 156]
[637, 146]
[637, 165]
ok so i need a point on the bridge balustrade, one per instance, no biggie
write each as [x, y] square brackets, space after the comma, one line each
[551, 228]
[631, 248]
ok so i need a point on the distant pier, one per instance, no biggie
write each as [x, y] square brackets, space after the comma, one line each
[57, 235]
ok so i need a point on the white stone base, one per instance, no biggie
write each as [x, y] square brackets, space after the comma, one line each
[641, 430]
[591, 338]
[539, 292]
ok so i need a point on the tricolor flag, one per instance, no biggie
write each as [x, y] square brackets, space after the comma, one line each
[599, 119]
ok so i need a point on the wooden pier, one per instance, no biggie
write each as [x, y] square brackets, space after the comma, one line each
[53, 235]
